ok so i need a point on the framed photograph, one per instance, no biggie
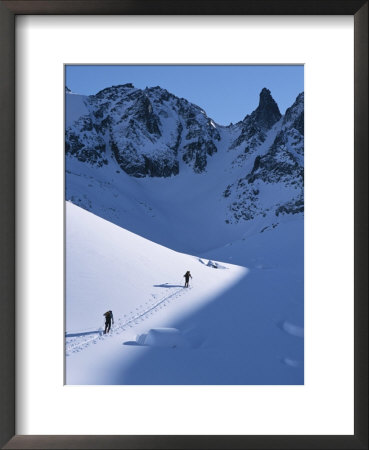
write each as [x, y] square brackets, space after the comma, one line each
[218, 192]
[184, 224]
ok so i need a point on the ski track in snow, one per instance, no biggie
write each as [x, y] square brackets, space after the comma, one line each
[76, 344]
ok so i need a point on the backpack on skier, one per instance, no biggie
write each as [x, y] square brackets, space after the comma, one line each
[109, 316]
[108, 320]
[187, 277]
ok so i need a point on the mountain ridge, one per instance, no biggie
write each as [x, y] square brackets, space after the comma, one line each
[146, 156]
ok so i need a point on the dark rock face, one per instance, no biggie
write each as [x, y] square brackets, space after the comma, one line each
[251, 133]
[86, 145]
[197, 152]
[138, 165]
[295, 114]
[199, 136]
[267, 113]
[161, 167]
[143, 112]
[278, 165]
[299, 123]
[295, 206]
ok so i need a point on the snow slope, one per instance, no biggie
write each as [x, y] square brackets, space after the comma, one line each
[75, 107]
[236, 324]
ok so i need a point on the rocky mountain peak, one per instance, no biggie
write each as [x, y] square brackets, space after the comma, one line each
[295, 114]
[267, 113]
[254, 126]
[300, 98]
[114, 92]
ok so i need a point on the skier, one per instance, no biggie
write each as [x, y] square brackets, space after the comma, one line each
[108, 320]
[187, 277]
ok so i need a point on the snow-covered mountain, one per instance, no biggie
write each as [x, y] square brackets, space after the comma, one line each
[144, 131]
[157, 165]
[155, 187]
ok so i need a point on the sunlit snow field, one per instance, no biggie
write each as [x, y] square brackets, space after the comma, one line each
[239, 323]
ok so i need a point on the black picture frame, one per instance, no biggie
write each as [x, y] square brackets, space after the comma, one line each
[8, 11]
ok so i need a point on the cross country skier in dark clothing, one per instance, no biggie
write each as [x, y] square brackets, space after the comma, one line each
[108, 320]
[187, 277]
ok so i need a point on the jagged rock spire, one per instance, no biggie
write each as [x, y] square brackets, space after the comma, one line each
[267, 113]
